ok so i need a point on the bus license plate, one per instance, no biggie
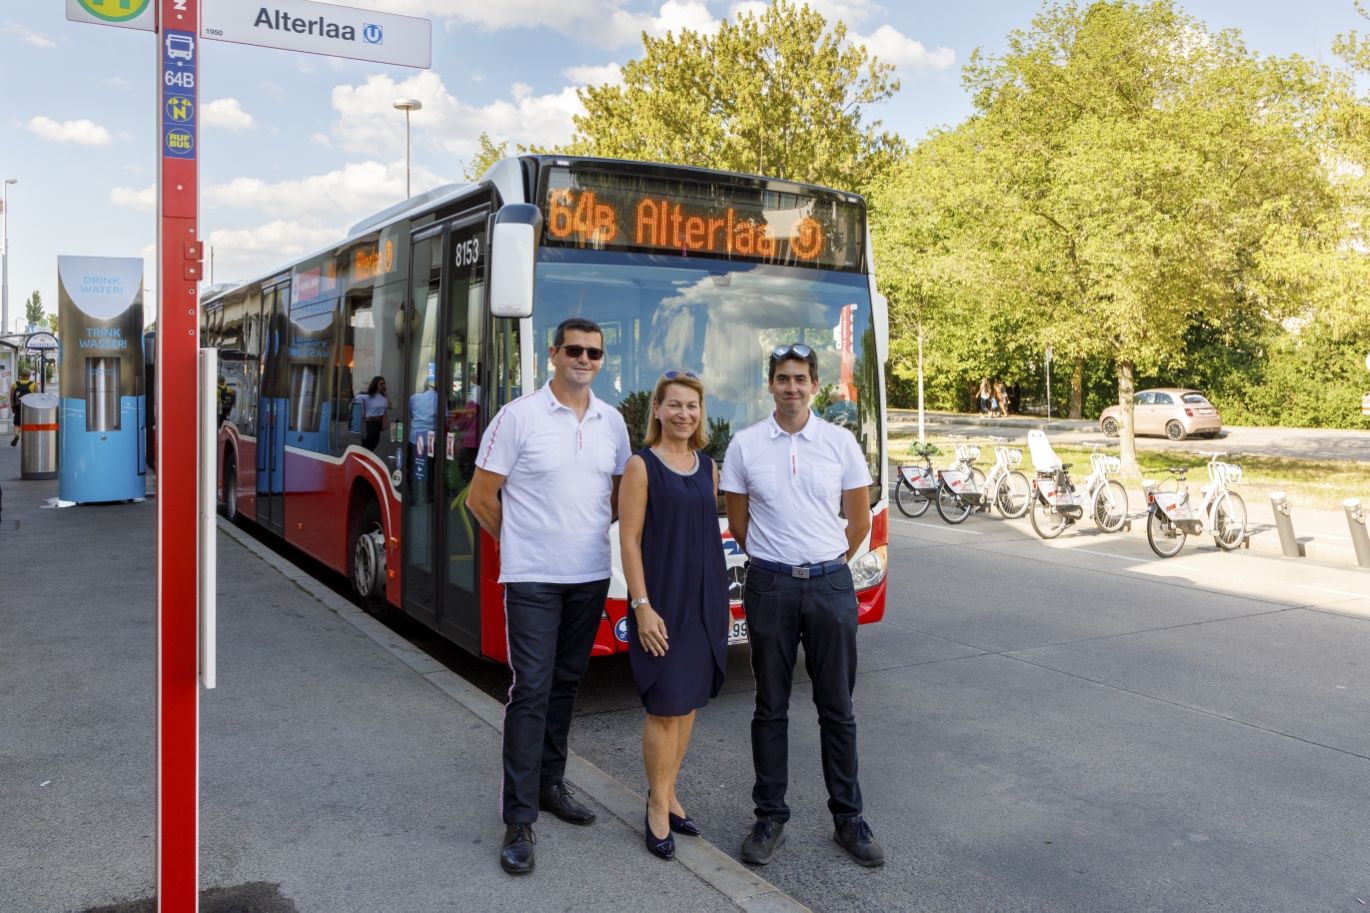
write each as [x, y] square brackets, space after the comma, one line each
[737, 634]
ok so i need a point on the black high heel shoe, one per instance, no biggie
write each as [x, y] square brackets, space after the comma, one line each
[663, 849]
[683, 825]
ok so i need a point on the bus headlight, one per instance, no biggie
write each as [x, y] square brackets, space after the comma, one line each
[869, 569]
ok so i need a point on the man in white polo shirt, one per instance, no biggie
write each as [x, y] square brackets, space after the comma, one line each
[785, 480]
[546, 486]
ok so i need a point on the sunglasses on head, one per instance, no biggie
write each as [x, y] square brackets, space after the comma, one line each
[672, 375]
[782, 352]
[577, 351]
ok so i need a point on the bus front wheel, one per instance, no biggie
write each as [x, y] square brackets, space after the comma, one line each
[368, 560]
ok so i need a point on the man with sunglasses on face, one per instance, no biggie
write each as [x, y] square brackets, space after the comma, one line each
[546, 486]
[785, 480]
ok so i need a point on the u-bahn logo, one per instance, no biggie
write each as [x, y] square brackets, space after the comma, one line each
[180, 109]
[114, 10]
[373, 34]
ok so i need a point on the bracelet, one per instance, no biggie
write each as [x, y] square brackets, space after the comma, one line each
[634, 603]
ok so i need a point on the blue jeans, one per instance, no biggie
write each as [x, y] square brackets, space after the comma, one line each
[820, 612]
[551, 629]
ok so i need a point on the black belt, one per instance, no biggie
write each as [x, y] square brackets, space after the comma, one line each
[802, 571]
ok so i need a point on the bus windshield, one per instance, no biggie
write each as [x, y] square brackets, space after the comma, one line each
[719, 320]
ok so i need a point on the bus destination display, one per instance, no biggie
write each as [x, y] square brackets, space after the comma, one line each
[588, 209]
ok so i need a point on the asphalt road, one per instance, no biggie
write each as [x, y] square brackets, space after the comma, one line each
[1299, 443]
[1066, 726]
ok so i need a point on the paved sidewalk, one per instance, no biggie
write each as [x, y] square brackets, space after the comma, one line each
[329, 767]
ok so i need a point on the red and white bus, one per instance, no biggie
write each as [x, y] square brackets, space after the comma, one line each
[682, 267]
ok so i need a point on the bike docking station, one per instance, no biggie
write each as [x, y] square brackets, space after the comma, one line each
[1290, 546]
[186, 456]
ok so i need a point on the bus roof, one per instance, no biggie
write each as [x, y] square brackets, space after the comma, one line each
[529, 166]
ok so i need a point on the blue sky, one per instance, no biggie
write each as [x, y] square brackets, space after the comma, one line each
[295, 148]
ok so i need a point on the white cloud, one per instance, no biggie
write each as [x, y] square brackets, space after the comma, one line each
[368, 121]
[227, 114]
[37, 39]
[588, 75]
[254, 250]
[357, 189]
[605, 23]
[892, 46]
[73, 131]
[322, 140]
[144, 200]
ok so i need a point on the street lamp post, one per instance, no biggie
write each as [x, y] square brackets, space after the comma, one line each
[406, 105]
[5, 256]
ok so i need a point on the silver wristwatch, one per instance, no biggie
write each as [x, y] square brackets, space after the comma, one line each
[634, 603]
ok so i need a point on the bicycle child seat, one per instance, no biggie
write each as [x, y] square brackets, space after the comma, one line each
[1043, 457]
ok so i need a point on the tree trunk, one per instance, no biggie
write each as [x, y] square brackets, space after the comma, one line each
[1127, 442]
[1077, 390]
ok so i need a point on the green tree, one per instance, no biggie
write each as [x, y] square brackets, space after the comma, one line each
[487, 153]
[779, 94]
[1148, 171]
[33, 308]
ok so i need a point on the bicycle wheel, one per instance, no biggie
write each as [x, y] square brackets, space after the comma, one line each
[1229, 521]
[1012, 496]
[1110, 507]
[910, 502]
[1046, 521]
[949, 507]
[1165, 538]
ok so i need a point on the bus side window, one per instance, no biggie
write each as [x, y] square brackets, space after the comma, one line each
[357, 368]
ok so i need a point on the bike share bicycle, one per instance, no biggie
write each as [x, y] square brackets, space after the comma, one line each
[966, 488]
[1171, 518]
[1056, 503]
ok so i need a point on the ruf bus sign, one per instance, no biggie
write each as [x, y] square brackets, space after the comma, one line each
[610, 212]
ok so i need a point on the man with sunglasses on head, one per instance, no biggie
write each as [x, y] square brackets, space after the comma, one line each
[785, 480]
[546, 486]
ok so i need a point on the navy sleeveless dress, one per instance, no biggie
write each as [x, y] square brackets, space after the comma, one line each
[687, 581]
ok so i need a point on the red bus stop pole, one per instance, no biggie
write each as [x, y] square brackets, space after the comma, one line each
[178, 306]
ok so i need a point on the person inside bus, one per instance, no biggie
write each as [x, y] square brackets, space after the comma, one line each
[677, 581]
[375, 412]
[785, 480]
[546, 487]
[423, 441]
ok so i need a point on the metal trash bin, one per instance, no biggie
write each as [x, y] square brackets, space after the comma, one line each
[38, 436]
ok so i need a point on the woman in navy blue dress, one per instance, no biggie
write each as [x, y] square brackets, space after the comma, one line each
[678, 590]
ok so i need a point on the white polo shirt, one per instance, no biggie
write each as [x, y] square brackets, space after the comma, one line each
[794, 485]
[559, 475]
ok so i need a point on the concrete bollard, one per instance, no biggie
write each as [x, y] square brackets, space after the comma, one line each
[1289, 543]
[1355, 519]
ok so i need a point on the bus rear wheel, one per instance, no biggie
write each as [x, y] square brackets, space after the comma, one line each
[368, 561]
[231, 490]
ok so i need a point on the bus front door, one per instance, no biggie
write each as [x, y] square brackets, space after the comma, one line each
[442, 428]
[272, 412]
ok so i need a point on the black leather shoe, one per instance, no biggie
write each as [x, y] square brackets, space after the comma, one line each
[854, 836]
[683, 825]
[661, 848]
[557, 800]
[517, 856]
[765, 840]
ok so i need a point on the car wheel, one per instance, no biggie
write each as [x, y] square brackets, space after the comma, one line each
[1109, 426]
[1174, 430]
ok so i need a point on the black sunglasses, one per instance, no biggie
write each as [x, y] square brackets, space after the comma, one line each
[780, 353]
[672, 375]
[577, 351]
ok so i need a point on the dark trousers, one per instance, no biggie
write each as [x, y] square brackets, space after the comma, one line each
[551, 629]
[820, 612]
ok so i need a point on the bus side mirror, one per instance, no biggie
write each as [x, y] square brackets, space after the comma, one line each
[513, 259]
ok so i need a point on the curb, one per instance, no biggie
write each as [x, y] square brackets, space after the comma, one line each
[708, 863]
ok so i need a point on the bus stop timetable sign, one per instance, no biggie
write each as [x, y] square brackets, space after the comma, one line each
[321, 28]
